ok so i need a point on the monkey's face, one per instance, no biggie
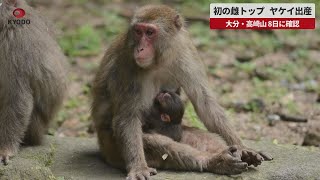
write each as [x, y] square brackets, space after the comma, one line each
[145, 35]
[170, 107]
[153, 28]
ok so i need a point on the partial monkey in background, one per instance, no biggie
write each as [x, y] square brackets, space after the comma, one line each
[32, 78]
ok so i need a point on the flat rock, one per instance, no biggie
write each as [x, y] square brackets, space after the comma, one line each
[79, 159]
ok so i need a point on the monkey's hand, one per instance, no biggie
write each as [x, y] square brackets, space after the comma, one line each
[253, 157]
[5, 156]
[141, 173]
[227, 162]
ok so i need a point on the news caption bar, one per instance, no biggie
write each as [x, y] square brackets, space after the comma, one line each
[262, 16]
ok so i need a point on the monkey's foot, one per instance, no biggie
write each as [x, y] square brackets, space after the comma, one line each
[5, 156]
[254, 158]
[4, 160]
[228, 162]
[142, 173]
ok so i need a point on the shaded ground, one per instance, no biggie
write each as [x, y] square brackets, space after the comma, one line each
[79, 159]
[257, 75]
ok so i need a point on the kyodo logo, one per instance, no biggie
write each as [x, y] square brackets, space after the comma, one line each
[19, 13]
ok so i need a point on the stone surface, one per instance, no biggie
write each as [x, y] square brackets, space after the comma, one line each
[312, 136]
[79, 159]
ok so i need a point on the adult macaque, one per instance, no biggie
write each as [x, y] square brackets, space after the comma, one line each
[31, 79]
[156, 53]
[165, 115]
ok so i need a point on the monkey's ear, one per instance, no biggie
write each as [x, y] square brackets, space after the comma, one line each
[10, 2]
[178, 22]
[165, 118]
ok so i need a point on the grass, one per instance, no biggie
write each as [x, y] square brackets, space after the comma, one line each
[202, 34]
[247, 67]
[72, 103]
[47, 158]
[84, 41]
[192, 117]
[114, 24]
[79, 2]
[270, 91]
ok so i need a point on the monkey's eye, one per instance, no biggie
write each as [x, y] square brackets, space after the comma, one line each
[149, 32]
[138, 31]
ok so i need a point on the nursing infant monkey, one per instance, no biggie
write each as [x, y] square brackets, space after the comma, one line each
[165, 117]
[157, 53]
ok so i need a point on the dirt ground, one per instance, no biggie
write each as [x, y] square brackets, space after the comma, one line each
[260, 77]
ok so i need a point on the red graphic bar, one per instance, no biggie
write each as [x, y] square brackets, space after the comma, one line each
[262, 23]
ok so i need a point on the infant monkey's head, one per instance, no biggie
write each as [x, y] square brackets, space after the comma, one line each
[170, 107]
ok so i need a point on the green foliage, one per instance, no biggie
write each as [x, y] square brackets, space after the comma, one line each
[84, 41]
[270, 92]
[72, 103]
[266, 44]
[257, 42]
[79, 2]
[61, 117]
[86, 89]
[193, 118]
[313, 87]
[221, 42]
[285, 72]
[301, 53]
[90, 66]
[200, 5]
[84, 117]
[213, 70]
[47, 158]
[292, 107]
[253, 106]
[201, 32]
[247, 67]
[288, 71]
[273, 93]
[114, 24]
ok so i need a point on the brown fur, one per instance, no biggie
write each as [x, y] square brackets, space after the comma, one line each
[122, 90]
[202, 140]
[31, 79]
